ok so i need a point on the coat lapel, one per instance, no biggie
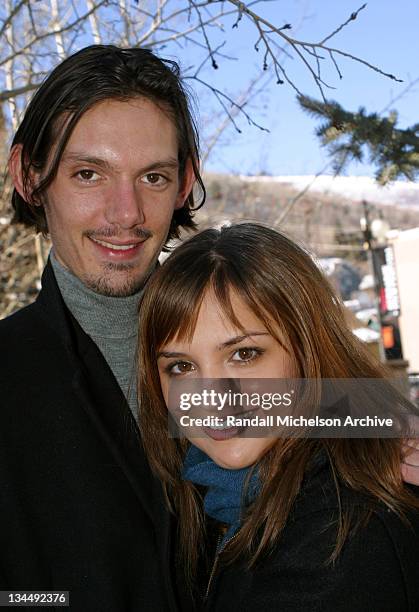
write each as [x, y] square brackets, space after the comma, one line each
[102, 399]
[99, 393]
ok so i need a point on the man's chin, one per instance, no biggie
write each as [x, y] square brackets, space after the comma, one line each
[116, 284]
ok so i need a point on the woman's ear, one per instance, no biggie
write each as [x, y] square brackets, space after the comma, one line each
[15, 167]
[187, 184]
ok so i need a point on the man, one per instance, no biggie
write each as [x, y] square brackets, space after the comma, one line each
[104, 161]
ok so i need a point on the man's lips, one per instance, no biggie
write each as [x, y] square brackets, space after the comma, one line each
[116, 248]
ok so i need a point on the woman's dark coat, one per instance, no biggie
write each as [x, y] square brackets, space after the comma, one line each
[79, 508]
[377, 570]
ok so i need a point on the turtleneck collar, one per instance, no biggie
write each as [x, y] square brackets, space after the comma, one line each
[98, 315]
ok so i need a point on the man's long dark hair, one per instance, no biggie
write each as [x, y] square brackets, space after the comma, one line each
[94, 74]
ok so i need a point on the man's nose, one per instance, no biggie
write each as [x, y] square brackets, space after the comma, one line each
[124, 207]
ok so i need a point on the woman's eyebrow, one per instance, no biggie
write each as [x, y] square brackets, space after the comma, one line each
[169, 354]
[229, 342]
[237, 339]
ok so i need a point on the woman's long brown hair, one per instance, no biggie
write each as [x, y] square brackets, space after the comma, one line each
[280, 283]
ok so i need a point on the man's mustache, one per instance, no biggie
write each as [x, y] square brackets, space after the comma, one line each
[110, 232]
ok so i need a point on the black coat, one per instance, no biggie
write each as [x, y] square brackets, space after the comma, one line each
[79, 508]
[377, 570]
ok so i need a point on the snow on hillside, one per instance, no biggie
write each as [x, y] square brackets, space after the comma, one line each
[398, 193]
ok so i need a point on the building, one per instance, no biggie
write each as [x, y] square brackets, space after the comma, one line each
[406, 262]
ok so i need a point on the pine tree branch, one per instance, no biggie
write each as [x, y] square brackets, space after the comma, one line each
[346, 135]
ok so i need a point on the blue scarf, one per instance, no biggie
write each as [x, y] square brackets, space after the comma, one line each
[223, 500]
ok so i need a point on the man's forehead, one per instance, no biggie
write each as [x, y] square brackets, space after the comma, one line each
[135, 119]
[117, 133]
[73, 156]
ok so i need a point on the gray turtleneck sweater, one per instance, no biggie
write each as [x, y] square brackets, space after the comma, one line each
[111, 322]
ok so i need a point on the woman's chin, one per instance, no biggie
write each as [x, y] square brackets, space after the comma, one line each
[235, 454]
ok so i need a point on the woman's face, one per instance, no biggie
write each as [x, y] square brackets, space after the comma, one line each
[220, 350]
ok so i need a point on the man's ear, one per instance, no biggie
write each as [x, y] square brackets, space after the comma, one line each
[15, 169]
[16, 173]
[187, 184]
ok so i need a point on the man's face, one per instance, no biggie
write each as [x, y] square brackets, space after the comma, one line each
[110, 206]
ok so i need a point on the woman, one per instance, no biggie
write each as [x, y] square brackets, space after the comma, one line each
[279, 523]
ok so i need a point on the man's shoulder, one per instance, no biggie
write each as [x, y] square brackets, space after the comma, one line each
[22, 322]
[26, 336]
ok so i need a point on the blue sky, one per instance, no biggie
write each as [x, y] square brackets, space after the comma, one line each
[385, 34]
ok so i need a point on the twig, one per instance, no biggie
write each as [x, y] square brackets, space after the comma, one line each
[400, 95]
[299, 195]
[243, 99]
[6, 23]
[204, 33]
[221, 96]
[66, 28]
[352, 17]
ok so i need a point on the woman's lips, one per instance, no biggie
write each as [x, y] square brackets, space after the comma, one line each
[223, 434]
[220, 433]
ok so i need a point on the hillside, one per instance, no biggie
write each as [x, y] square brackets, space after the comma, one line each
[330, 208]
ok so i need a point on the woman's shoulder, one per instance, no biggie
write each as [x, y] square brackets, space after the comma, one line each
[322, 489]
[377, 567]
[324, 501]
[378, 562]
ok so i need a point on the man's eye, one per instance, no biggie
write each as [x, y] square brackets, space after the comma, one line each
[246, 354]
[87, 175]
[180, 367]
[152, 178]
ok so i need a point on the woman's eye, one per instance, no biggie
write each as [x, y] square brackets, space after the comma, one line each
[152, 178]
[87, 175]
[180, 367]
[246, 354]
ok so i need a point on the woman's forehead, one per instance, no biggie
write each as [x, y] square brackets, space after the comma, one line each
[218, 316]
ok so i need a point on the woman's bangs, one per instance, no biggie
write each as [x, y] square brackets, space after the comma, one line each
[223, 287]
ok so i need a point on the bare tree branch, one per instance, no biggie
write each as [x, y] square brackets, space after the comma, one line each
[222, 97]
[94, 24]
[12, 14]
[66, 28]
[301, 47]
[352, 17]
[243, 99]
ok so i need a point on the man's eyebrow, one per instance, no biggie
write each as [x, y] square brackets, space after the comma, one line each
[88, 159]
[238, 339]
[69, 157]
